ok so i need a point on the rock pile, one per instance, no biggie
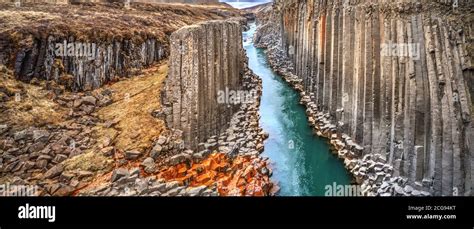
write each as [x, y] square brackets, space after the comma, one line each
[36, 153]
[232, 176]
[244, 135]
[130, 182]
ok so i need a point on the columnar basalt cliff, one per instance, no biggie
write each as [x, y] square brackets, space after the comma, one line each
[395, 76]
[88, 45]
[205, 60]
[107, 62]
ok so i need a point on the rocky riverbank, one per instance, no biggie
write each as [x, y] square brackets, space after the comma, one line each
[394, 76]
[371, 170]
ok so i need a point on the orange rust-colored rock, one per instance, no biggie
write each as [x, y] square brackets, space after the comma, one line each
[238, 176]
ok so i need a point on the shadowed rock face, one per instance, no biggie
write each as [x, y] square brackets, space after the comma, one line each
[103, 63]
[414, 110]
[205, 59]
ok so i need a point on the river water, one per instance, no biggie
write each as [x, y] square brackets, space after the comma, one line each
[302, 162]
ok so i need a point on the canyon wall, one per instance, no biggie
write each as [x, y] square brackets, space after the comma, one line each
[107, 62]
[74, 55]
[397, 76]
[205, 59]
[84, 47]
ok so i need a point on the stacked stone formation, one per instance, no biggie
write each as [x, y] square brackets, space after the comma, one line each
[413, 111]
[205, 59]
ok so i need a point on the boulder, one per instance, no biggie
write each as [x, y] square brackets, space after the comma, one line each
[399, 190]
[156, 151]
[132, 154]
[223, 149]
[36, 147]
[408, 189]
[251, 145]
[28, 165]
[161, 140]
[416, 193]
[108, 151]
[196, 191]
[21, 135]
[173, 192]
[59, 158]
[171, 185]
[41, 136]
[54, 171]
[41, 164]
[179, 158]
[111, 123]
[148, 162]
[88, 109]
[150, 168]
[3, 128]
[135, 172]
[66, 177]
[89, 100]
[119, 173]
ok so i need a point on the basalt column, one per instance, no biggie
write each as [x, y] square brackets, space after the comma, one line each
[397, 76]
[206, 67]
[81, 65]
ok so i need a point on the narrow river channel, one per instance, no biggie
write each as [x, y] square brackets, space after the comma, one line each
[302, 162]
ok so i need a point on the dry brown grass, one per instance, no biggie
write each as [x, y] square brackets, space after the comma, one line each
[35, 107]
[105, 21]
[136, 99]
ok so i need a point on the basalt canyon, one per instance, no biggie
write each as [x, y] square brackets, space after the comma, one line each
[198, 98]
[393, 77]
